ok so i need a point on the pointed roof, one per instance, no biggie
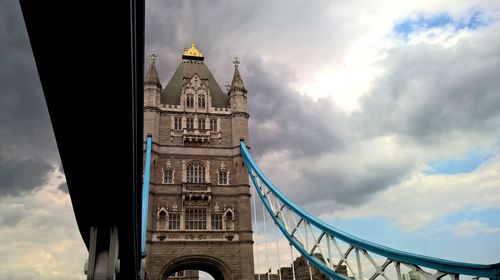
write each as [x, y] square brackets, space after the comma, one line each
[237, 83]
[152, 76]
[189, 66]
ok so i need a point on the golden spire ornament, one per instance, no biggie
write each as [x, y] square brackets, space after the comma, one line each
[193, 51]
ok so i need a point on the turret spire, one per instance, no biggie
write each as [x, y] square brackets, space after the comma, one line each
[237, 83]
[152, 76]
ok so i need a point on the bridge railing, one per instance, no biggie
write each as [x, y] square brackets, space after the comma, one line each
[332, 250]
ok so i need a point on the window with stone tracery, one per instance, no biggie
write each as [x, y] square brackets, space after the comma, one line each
[223, 178]
[201, 123]
[190, 123]
[201, 101]
[168, 177]
[196, 218]
[216, 221]
[213, 125]
[190, 101]
[195, 173]
[177, 123]
[174, 221]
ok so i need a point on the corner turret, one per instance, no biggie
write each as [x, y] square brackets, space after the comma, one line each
[152, 90]
[237, 91]
[152, 85]
[238, 102]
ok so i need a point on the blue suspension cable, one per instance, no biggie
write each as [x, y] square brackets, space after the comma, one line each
[491, 271]
[145, 194]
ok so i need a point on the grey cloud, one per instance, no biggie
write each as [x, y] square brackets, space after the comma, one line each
[27, 144]
[304, 126]
[298, 124]
[12, 214]
[63, 187]
[281, 119]
[18, 176]
[430, 94]
[24, 119]
[426, 95]
[351, 187]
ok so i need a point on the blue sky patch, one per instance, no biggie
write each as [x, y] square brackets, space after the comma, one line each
[465, 165]
[490, 216]
[410, 25]
[428, 241]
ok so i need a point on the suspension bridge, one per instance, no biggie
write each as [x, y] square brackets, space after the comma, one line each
[112, 213]
[327, 248]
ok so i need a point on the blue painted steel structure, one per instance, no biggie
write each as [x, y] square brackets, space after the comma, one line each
[277, 204]
[145, 194]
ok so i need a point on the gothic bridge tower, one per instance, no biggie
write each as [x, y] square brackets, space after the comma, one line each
[199, 204]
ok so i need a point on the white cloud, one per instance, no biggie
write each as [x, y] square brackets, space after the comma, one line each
[423, 200]
[470, 228]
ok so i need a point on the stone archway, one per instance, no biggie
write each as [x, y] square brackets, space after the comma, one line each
[216, 268]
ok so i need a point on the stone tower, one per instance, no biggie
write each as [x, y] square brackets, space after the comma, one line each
[199, 204]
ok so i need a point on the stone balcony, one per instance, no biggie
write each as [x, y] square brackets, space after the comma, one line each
[196, 135]
[200, 235]
[196, 194]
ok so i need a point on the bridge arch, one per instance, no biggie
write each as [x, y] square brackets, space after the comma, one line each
[213, 266]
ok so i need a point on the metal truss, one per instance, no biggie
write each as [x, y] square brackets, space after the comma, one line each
[331, 250]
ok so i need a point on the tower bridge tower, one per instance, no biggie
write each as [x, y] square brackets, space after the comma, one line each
[199, 202]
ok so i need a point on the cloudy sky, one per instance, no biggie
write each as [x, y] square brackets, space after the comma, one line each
[382, 117]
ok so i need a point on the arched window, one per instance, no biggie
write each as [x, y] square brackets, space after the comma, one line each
[190, 101]
[201, 101]
[195, 173]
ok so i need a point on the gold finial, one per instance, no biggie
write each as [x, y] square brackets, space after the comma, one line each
[193, 51]
[236, 62]
[152, 55]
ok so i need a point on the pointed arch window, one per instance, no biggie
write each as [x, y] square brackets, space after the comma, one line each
[190, 101]
[201, 101]
[195, 173]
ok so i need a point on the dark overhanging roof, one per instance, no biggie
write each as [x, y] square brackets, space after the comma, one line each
[90, 58]
[186, 70]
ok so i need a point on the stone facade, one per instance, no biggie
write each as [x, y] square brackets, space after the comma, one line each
[199, 203]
